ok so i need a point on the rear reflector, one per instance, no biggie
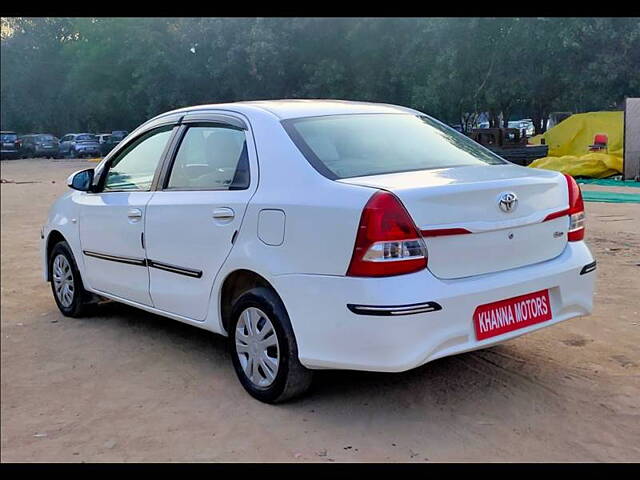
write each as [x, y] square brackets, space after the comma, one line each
[387, 242]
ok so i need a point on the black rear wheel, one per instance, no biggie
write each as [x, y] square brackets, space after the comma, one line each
[263, 348]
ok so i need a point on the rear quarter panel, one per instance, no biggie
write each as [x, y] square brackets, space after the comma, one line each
[321, 216]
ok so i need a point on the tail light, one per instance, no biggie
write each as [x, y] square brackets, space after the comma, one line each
[576, 211]
[388, 242]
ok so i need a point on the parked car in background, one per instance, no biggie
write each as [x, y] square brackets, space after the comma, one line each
[109, 140]
[80, 145]
[39, 145]
[377, 238]
[10, 145]
[524, 124]
[102, 137]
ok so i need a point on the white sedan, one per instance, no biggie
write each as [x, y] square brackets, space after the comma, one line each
[321, 234]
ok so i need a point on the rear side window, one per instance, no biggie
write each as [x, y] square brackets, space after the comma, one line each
[211, 158]
[343, 146]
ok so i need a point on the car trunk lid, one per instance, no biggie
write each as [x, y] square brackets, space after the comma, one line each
[465, 230]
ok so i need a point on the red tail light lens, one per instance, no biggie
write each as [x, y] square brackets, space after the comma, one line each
[576, 211]
[388, 242]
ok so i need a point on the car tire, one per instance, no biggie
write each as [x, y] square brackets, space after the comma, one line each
[62, 266]
[263, 310]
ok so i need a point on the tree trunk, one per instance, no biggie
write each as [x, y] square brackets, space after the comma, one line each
[494, 121]
[505, 118]
[545, 120]
[536, 118]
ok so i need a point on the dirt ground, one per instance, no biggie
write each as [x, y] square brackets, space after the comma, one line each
[125, 385]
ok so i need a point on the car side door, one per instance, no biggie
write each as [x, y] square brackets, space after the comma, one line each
[112, 217]
[64, 144]
[193, 217]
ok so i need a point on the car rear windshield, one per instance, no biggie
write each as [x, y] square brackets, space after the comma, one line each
[9, 137]
[343, 146]
[86, 138]
[46, 138]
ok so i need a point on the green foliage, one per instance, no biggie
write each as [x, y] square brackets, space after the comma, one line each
[98, 74]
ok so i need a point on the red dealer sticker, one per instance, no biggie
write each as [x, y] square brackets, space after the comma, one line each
[511, 314]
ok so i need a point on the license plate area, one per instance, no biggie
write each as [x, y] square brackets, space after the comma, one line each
[511, 314]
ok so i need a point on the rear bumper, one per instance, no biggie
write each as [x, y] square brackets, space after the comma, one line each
[330, 335]
[46, 151]
[6, 152]
[91, 150]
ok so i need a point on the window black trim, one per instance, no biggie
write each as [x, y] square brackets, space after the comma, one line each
[200, 117]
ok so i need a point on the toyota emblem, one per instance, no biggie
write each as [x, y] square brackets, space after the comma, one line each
[508, 201]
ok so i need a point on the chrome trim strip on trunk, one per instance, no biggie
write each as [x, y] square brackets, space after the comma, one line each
[174, 269]
[142, 262]
[394, 310]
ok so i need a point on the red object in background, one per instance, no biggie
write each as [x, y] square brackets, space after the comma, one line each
[600, 142]
[600, 139]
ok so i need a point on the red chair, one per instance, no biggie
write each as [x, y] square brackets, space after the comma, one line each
[600, 142]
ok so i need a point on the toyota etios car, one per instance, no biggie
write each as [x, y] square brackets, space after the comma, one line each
[321, 234]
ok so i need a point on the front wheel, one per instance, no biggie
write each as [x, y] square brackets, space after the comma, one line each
[263, 348]
[66, 284]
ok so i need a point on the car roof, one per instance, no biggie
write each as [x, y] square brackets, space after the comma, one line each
[298, 108]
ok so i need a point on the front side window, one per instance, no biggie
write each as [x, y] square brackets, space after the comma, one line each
[133, 169]
[343, 146]
[211, 158]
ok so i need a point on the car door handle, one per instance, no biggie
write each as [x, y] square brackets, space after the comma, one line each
[223, 213]
[134, 213]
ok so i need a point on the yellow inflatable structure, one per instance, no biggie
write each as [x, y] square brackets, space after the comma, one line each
[569, 143]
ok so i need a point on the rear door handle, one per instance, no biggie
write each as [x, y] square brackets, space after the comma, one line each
[223, 213]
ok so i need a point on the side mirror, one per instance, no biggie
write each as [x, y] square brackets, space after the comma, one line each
[81, 180]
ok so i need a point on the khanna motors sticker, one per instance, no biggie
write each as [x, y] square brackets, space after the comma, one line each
[511, 314]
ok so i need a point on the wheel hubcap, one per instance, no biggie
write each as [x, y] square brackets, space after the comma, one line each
[63, 280]
[257, 347]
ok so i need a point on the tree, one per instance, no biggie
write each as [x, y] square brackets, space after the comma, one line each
[98, 74]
